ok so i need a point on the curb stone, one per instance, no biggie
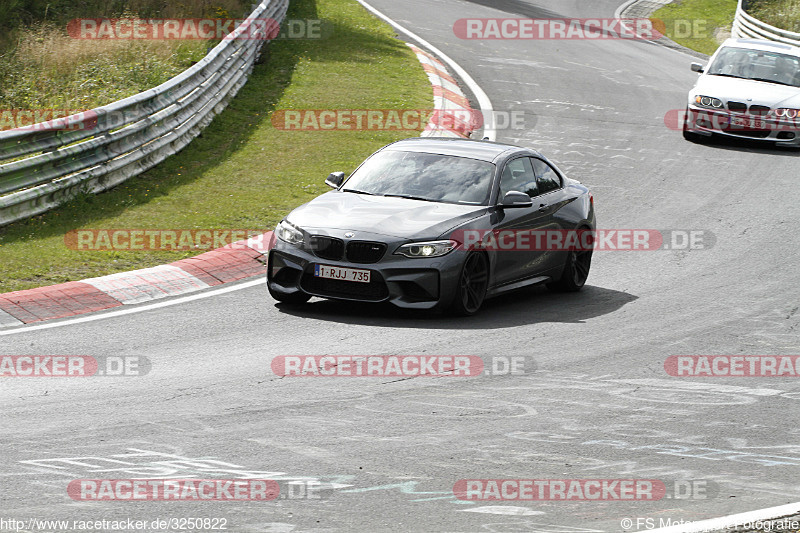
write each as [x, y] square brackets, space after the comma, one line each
[239, 260]
[447, 97]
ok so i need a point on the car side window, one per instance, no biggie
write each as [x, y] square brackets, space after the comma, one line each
[546, 176]
[518, 175]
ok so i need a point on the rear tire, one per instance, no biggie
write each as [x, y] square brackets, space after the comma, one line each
[575, 273]
[472, 285]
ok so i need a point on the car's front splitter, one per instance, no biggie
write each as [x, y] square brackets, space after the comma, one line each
[404, 282]
[708, 122]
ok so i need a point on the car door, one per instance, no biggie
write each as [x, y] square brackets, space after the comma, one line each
[550, 198]
[515, 263]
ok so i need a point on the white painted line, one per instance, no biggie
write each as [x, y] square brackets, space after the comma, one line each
[698, 385]
[724, 522]
[509, 510]
[112, 314]
[483, 99]
[7, 320]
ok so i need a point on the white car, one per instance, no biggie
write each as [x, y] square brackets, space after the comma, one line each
[750, 89]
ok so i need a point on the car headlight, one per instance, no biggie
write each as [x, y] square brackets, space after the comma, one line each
[708, 101]
[288, 232]
[427, 249]
[787, 113]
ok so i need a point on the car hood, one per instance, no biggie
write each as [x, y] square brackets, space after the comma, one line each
[394, 217]
[762, 93]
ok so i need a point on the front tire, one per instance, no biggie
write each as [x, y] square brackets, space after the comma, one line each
[690, 135]
[472, 285]
[295, 298]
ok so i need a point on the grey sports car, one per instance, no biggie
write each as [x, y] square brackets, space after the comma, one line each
[751, 90]
[415, 225]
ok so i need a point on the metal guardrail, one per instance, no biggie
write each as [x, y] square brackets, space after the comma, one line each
[41, 168]
[745, 26]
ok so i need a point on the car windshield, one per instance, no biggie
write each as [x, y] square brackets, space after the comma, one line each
[772, 67]
[423, 176]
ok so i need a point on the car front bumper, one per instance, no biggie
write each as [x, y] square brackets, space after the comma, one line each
[742, 126]
[423, 283]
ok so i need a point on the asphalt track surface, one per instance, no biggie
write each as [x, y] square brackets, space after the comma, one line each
[594, 403]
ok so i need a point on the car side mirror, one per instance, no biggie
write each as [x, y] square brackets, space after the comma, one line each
[697, 67]
[514, 199]
[335, 180]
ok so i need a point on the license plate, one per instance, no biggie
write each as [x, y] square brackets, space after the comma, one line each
[750, 123]
[346, 274]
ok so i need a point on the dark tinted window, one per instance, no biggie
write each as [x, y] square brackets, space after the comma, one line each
[546, 176]
[518, 176]
[433, 177]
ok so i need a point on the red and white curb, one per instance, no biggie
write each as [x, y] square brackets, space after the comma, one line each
[240, 260]
[454, 117]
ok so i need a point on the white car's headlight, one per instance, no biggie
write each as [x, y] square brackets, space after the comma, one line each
[427, 249]
[787, 113]
[708, 101]
[288, 232]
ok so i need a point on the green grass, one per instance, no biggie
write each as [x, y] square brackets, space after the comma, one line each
[242, 172]
[784, 14]
[47, 69]
[15, 13]
[693, 23]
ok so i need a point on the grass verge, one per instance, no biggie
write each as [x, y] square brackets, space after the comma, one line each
[42, 67]
[241, 172]
[784, 14]
[47, 69]
[695, 24]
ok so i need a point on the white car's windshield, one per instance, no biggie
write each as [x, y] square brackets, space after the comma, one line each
[771, 67]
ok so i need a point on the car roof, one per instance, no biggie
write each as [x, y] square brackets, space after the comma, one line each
[471, 148]
[766, 46]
